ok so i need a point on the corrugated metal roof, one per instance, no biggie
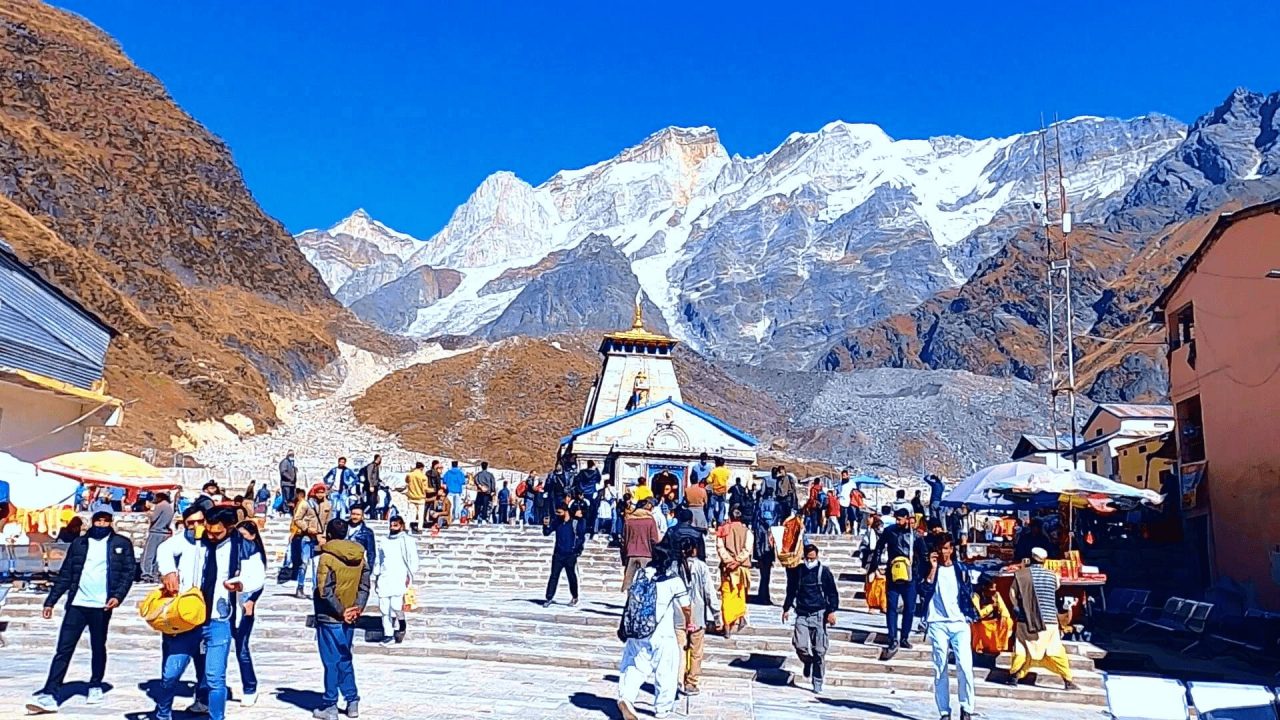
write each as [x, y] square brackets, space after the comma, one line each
[1131, 410]
[45, 332]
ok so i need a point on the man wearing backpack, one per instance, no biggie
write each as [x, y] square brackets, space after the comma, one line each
[811, 590]
[907, 557]
[648, 628]
[96, 576]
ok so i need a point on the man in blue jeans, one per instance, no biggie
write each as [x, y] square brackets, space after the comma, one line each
[342, 589]
[947, 592]
[455, 481]
[222, 564]
[907, 555]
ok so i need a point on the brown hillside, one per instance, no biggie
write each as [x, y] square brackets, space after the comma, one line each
[511, 402]
[996, 323]
[123, 200]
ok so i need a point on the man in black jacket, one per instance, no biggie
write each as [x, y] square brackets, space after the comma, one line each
[907, 556]
[811, 590]
[684, 531]
[370, 481]
[564, 557]
[96, 576]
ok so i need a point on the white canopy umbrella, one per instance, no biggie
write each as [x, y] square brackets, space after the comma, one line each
[1078, 483]
[30, 489]
[975, 490]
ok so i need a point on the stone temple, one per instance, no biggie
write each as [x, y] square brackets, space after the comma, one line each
[636, 424]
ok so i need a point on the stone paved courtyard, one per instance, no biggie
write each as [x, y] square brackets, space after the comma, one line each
[481, 646]
[415, 688]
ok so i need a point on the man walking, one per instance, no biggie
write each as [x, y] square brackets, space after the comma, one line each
[340, 480]
[1037, 637]
[222, 564]
[718, 502]
[393, 574]
[811, 590]
[159, 528]
[370, 480]
[359, 533]
[309, 520]
[936, 491]
[906, 553]
[96, 576]
[342, 590]
[639, 535]
[704, 606]
[564, 555]
[587, 483]
[948, 596]
[415, 491]
[485, 489]
[288, 480]
[455, 481]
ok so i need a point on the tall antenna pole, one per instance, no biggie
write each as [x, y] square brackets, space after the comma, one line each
[1049, 253]
[1062, 362]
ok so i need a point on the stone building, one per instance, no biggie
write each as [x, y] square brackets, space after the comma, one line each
[636, 424]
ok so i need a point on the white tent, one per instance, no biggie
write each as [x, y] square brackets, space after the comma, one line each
[30, 489]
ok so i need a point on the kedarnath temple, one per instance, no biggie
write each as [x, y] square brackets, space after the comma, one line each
[636, 424]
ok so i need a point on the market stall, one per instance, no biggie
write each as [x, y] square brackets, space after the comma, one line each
[1073, 490]
[109, 468]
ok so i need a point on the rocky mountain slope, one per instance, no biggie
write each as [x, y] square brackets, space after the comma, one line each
[119, 197]
[995, 323]
[760, 259]
[511, 401]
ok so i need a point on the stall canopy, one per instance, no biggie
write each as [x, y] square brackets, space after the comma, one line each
[868, 481]
[29, 489]
[979, 491]
[1076, 483]
[108, 467]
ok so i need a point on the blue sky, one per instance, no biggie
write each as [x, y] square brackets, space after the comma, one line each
[403, 108]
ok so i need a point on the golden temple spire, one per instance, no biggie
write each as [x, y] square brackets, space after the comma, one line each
[638, 322]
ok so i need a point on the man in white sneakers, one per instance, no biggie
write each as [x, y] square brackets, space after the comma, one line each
[96, 576]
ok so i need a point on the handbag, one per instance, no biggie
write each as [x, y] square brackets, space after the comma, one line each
[174, 614]
[410, 599]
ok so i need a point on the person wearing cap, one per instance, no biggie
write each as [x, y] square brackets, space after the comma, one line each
[95, 577]
[310, 518]
[906, 565]
[639, 535]
[1037, 637]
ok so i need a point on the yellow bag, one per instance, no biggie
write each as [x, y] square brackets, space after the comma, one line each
[900, 569]
[176, 614]
[410, 599]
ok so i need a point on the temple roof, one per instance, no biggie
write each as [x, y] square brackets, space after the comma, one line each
[719, 424]
[638, 334]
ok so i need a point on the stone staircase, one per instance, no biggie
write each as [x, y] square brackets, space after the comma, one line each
[480, 591]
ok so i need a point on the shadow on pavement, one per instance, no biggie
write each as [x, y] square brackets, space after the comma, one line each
[588, 701]
[302, 699]
[875, 710]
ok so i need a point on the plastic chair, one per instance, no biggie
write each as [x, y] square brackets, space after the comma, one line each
[1131, 697]
[1229, 701]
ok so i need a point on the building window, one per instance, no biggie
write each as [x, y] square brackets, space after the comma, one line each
[1190, 430]
[1098, 432]
[1139, 479]
[1183, 329]
[1142, 448]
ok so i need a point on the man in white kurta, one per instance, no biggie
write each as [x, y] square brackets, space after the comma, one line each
[657, 655]
[393, 573]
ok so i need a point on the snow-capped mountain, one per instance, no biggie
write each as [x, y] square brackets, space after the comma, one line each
[759, 259]
[358, 255]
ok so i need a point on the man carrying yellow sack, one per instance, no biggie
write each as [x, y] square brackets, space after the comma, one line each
[342, 590]
[222, 564]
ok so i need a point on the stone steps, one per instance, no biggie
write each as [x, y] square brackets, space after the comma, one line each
[901, 676]
[478, 587]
